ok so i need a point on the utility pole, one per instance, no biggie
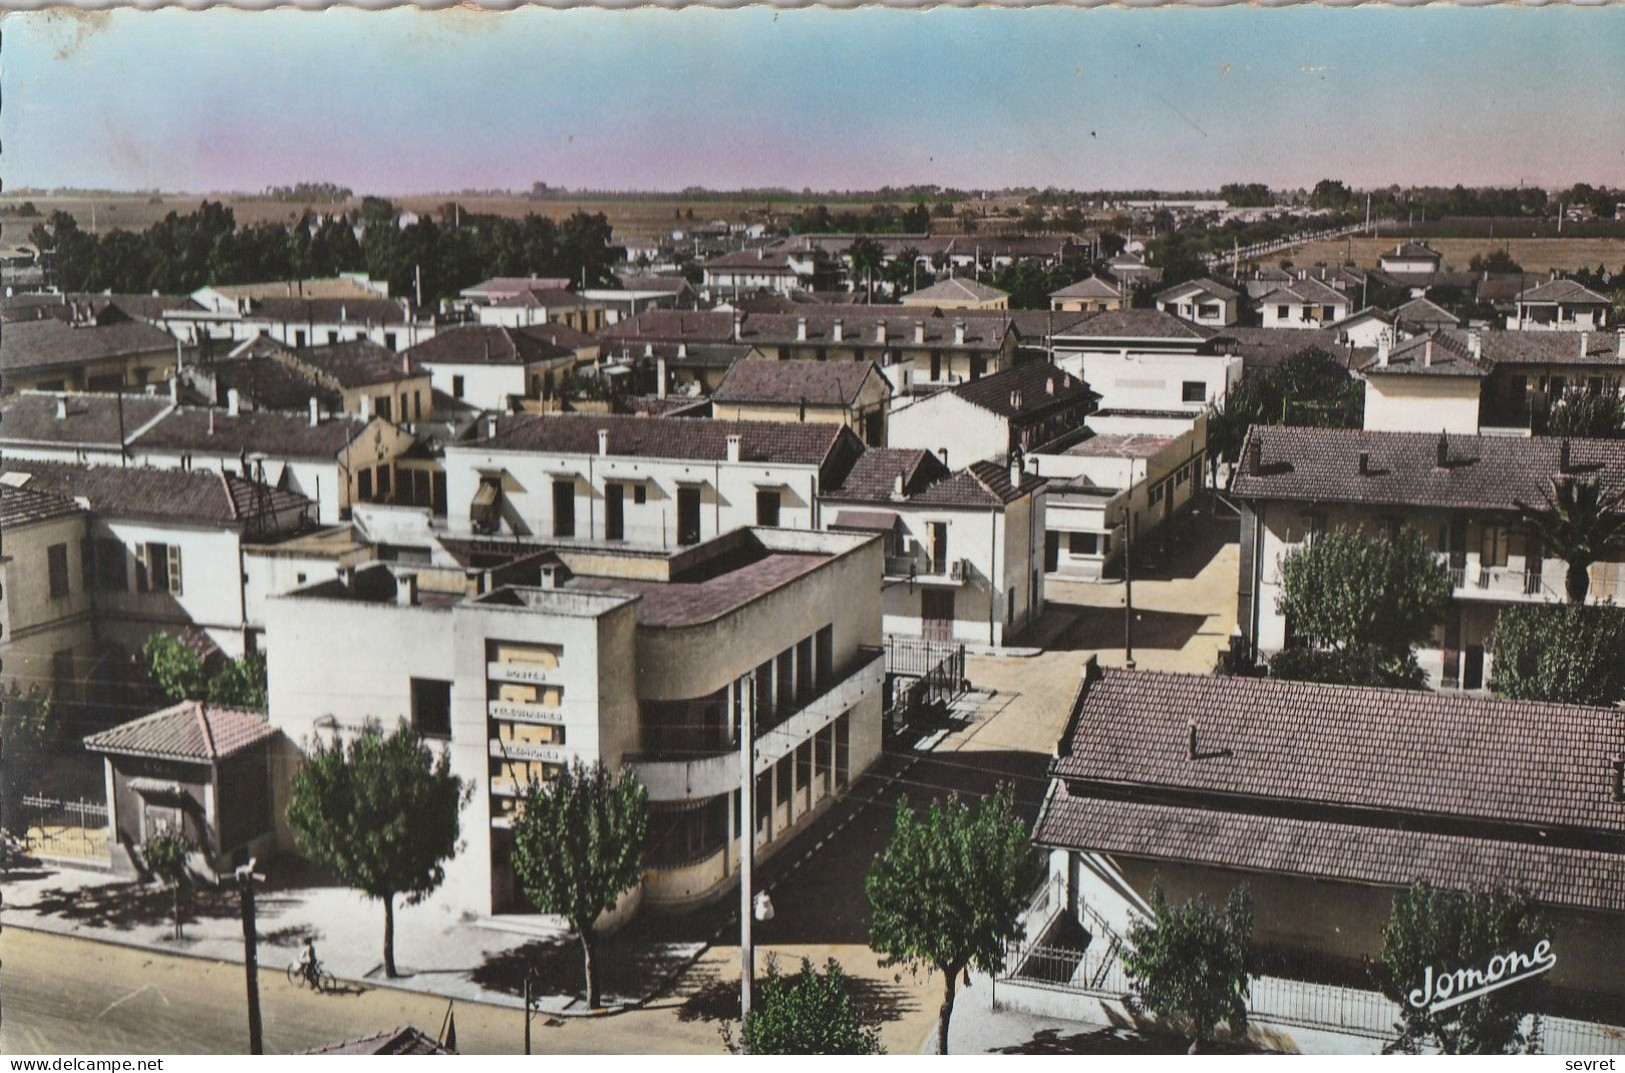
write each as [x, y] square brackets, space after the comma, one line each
[747, 855]
[246, 878]
[1128, 586]
[529, 1000]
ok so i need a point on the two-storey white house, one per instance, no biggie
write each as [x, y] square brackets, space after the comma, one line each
[1201, 301]
[46, 630]
[1147, 360]
[1304, 303]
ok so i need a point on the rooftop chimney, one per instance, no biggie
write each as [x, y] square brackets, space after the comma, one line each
[837, 332]
[315, 412]
[959, 333]
[211, 420]
[1585, 344]
[1621, 333]
[942, 453]
[801, 329]
[406, 364]
[1564, 462]
[1444, 450]
[897, 485]
[660, 375]
[174, 390]
[1365, 464]
[733, 447]
[1475, 344]
[1015, 399]
[1190, 739]
[603, 441]
[234, 402]
[1255, 457]
[1049, 386]
[1385, 343]
[919, 332]
[739, 325]
[880, 333]
[1015, 468]
[406, 590]
[1427, 353]
[61, 407]
[491, 427]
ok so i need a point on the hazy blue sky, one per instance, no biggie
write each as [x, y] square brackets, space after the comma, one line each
[404, 100]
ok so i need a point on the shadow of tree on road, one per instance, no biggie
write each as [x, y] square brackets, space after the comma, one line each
[715, 997]
[1112, 1041]
[628, 969]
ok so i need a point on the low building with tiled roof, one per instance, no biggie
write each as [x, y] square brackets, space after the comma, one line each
[1031, 407]
[163, 546]
[1263, 350]
[47, 635]
[634, 656]
[220, 318]
[964, 549]
[1430, 381]
[1093, 294]
[1411, 259]
[648, 481]
[495, 367]
[75, 427]
[1326, 802]
[1201, 301]
[89, 353]
[544, 306]
[1304, 303]
[196, 771]
[1560, 305]
[1147, 360]
[850, 393]
[956, 293]
[1464, 493]
[1422, 315]
[746, 272]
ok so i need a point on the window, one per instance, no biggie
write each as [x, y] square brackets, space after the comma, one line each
[978, 367]
[299, 338]
[1156, 494]
[564, 507]
[767, 507]
[389, 340]
[332, 337]
[1520, 390]
[938, 546]
[417, 406]
[824, 657]
[364, 485]
[1283, 312]
[1493, 544]
[1193, 391]
[1082, 543]
[614, 511]
[384, 482]
[688, 516]
[431, 708]
[456, 387]
[385, 409]
[56, 559]
[804, 668]
[158, 568]
[640, 494]
[111, 573]
[936, 365]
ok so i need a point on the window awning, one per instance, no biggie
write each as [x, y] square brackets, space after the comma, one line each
[869, 521]
[486, 496]
[164, 790]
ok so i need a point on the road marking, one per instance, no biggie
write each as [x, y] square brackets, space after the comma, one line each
[137, 993]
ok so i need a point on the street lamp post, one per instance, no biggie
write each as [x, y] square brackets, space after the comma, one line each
[747, 856]
[246, 878]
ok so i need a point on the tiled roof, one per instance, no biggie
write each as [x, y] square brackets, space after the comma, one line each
[1026, 391]
[1349, 852]
[1410, 251]
[271, 385]
[1563, 290]
[1484, 472]
[979, 485]
[663, 284]
[1268, 744]
[874, 475]
[25, 506]
[146, 492]
[190, 730]
[779, 443]
[751, 261]
[276, 435]
[555, 298]
[1553, 348]
[1306, 292]
[1093, 287]
[501, 286]
[30, 417]
[63, 306]
[685, 602]
[955, 289]
[860, 326]
[44, 344]
[360, 363]
[1433, 353]
[490, 344]
[1425, 313]
[817, 383]
[1135, 324]
[362, 311]
[1204, 286]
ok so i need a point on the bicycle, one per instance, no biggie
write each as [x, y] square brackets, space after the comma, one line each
[311, 974]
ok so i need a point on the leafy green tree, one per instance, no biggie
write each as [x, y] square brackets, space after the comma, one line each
[1567, 653]
[1496, 261]
[1586, 414]
[1192, 962]
[578, 845]
[176, 670]
[866, 255]
[1433, 932]
[808, 1013]
[381, 812]
[1331, 194]
[1580, 524]
[27, 736]
[240, 684]
[165, 858]
[1363, 601]
[948, 891]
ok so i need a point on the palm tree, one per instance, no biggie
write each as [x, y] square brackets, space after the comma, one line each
[1580, 524]
[866, 255]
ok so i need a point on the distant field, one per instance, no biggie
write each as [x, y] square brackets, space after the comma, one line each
[1534, 254]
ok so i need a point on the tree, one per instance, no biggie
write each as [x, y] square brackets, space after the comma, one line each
[1585, 414]
[165, 857]
[381, 812]
[1496, 261]
[1433, 932]
[948, 891]
[27, 735]
[808, 1013]
[1580, 524]
[578, 845]
[1566, 653]
[1361, 601]
[866, 255]
[1192, 962]
[1330, 194]
[181, 674]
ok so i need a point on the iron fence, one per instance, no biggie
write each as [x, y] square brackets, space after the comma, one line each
[65, 828]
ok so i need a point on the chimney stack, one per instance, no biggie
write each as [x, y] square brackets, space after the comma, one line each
[406, 590]
[603, 441]
[1049, 386]
[1564, 460]
[234, 403]
[734, 441]
[1190, 739]
[837, 332]
[959, 333]
[1255, 457]
[880, 333]
[211, 420]
[1015, 399]
[1475, 344]
[61, 407]
[1621, 334]
[315, 412]
[1585, 344]
[739, 325]
[801, 329]
[1365, 464]
[1427, 353]
[174, 390]
[660, 377]
[491, 427]
[919, 332]
[942, 453]
[1385, 343]
[1444, 450]
[1015, 468]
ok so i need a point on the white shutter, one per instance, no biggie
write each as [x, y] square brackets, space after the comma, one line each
[175, 569]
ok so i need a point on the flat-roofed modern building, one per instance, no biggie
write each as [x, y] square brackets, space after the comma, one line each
[645, 659]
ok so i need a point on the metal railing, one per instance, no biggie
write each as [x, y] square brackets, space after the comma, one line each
[924, 566]
[65, 828]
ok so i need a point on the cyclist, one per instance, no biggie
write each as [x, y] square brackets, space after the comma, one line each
[309, 967]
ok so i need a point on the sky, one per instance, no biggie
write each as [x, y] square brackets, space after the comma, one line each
[407, 101]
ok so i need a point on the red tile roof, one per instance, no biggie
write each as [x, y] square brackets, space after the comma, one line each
[486, 344]
[25, 506]
[168, 494]
[276, 435]
[817, 383]
[30, 417]
[191, 730]
[980, 485]
[778, 443]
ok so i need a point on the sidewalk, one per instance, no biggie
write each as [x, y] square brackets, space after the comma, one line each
[437, 951]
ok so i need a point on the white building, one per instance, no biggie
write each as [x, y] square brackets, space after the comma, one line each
[496, 368]
[1560, 305]
[1146, 360]
[649, 482]
[1201, 301]
[633, 659]
[1022, 409]
[224, 318]
[1305, 303]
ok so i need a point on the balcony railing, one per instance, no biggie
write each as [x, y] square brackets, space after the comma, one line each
[674, 778]
[925, 568]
